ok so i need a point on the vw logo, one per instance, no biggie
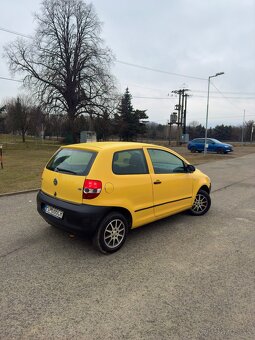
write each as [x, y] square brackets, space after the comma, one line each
[55, 182]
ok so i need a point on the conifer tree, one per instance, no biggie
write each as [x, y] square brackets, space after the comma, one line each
[128, 120]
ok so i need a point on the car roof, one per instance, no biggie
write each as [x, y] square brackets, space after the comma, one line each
[108, 145]
[119, 146]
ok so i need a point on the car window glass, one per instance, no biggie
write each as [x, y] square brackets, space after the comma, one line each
[165, 162]
[129, 162]
[77, 162]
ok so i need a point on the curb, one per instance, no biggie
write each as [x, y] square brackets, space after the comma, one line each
[18, 192]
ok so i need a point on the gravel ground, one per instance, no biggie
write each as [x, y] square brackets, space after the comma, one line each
[183, 277]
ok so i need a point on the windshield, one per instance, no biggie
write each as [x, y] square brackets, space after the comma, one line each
[70, 161]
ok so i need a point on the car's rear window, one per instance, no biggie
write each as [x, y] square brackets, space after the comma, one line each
[71, 161]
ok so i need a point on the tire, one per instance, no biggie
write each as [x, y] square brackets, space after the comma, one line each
[111, 233]
[193, 149]
[201, 204]
[220, 150]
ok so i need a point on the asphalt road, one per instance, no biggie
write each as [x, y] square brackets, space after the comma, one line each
[181, 278]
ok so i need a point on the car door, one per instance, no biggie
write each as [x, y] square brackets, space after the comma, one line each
[211, 145]
[172, 184]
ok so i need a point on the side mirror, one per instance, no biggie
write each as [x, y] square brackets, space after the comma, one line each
[190, 168]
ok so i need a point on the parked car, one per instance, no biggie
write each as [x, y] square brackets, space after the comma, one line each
[213, 145]
[107, 188]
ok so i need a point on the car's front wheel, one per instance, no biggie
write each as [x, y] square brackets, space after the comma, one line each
[220, 150]
[201, 204]
[112, 233]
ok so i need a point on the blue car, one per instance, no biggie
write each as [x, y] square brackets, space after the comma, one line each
[213, 145]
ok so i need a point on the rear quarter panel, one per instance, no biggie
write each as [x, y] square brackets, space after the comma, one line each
[131, 192]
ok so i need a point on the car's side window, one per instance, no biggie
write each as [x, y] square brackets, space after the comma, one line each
[165, 162]
[129, 162]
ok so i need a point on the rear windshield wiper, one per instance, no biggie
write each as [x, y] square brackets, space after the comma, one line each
[65, 170]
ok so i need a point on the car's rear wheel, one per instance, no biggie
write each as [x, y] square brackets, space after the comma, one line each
[112, 233]
[201, 204]
[193, 149]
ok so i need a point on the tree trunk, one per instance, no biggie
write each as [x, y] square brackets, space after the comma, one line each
[23, 136]
[71, 118]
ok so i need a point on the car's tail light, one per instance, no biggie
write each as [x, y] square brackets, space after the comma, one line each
[91, 188]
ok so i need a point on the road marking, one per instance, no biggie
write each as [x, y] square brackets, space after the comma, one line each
[12, 251]
[230, 185]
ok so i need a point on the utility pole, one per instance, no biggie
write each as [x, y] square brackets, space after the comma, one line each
[181, 108]
[185, 113]
[252, 128]
[178, 136]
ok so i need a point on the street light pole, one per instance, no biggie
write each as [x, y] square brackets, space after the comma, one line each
[243, 127]
[207, 108]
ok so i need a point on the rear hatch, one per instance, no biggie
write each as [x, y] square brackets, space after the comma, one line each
[64, 175]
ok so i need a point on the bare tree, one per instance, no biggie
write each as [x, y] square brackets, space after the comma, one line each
[2, 118]
[37, 120]
[18, 115]
[66, 63]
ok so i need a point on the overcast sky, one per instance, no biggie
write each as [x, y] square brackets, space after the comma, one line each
[193, 38]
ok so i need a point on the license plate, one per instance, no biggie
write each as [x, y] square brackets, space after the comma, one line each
[53, 211]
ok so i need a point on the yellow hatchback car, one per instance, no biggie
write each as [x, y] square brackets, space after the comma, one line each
[107, 188]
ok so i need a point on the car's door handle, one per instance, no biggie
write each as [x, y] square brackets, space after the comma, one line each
[157, 182]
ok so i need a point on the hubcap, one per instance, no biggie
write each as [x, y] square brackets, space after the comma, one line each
[200, 203]
[114, 233]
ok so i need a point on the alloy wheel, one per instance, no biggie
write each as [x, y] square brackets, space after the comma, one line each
[114, 233]
[200, 203]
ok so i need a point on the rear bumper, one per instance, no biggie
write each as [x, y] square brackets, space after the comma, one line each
[76, 217]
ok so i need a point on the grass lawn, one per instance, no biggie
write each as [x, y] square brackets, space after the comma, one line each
[24, 162]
